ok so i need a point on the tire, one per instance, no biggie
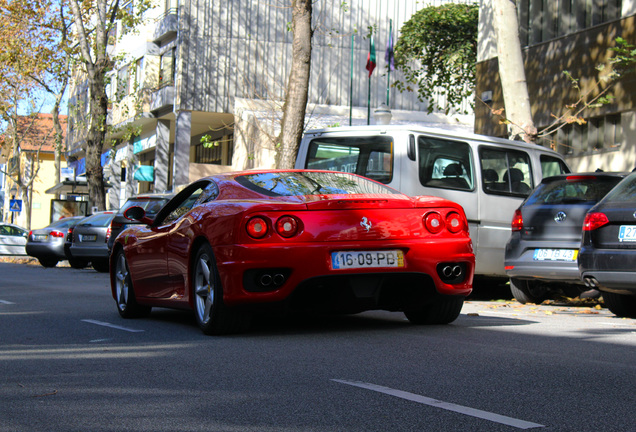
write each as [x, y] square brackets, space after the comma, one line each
[48, 262]
[127, 305]
[213, 317]
[101, 266]
[77, 263]
[621, 305]
[442, 310]
[528, 291]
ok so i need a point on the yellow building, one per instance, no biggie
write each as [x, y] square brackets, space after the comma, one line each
[35, 154]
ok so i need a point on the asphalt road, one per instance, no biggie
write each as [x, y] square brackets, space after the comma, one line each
[69, 363]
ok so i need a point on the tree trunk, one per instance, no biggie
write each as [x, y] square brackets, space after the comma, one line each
[95, 140]
[512, 71]
[293, 122]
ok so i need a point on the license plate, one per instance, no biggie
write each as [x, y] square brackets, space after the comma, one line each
[39, 237]
[88, 238]
[555, 254]
[627, 233]
[367, 259]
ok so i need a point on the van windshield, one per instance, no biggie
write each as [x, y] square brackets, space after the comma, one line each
[367, 156]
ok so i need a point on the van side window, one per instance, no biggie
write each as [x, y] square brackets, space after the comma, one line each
[367, 156]
[505, 172]
[445, 164]
[551, 166]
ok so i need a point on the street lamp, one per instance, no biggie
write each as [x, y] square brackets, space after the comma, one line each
[382, 115]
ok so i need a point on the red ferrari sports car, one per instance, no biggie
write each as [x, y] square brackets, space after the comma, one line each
[230, 244]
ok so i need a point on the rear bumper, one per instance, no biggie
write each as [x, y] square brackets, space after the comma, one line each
[304, 263]
[520, 263]
[46, 250]
[609, 269]
[90, 252]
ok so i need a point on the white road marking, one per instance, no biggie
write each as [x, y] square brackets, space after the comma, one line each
[105, 324]
[6, 302]
[509, 421]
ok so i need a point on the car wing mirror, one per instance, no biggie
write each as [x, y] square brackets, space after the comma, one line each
[138, 214]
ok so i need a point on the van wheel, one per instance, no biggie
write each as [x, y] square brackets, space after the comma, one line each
[442, 310]
[525, 291]
[621, 305]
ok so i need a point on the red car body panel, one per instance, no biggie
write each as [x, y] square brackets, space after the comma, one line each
[160, 257]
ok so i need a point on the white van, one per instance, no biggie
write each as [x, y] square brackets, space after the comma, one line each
[488, 176]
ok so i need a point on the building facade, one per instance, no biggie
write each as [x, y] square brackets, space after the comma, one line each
[202, 80]
[573, 36]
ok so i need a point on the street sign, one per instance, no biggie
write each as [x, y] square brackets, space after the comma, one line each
[15, 205]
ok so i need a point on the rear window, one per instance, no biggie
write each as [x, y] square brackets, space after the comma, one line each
[625, 192]
[367, 156]
[573, 189]
[64, 222]
[311, 183]
[98, 220]
[150, 205]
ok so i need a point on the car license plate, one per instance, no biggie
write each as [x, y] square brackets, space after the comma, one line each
[555, 254]
[367, 259]
[627, 233]
[40, 237]
[88, 238]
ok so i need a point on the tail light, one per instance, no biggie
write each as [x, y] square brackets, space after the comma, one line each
[517, 221]
[594, 221]
[257, 227]
[454, 222]
[30, 234]
[56, 234]
[69, 235]
[109, 231]
[433, 222]
[287, 226]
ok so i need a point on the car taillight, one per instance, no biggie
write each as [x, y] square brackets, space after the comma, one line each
[109, 231]
[69, 235]
[56, 234]
[433, 222]
[30, 234]
[454, 222]
[287, 226]
[257, 227]
[594, 221]
[517, 221]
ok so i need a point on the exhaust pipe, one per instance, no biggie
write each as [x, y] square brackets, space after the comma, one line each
[266, 280]
[590, 282]
[279, 279]
[457, 271]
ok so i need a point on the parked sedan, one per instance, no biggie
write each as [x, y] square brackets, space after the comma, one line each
[541, 254]
[47, 244]
[608, 248]
[230, 244]
[151, 203]
[12, 239]
[89, 240]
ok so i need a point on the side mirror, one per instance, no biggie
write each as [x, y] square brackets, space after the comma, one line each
[136, 213]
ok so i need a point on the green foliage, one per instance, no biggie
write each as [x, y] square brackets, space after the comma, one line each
[437, 52]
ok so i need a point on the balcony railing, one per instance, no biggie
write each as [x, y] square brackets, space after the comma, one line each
[166, 25]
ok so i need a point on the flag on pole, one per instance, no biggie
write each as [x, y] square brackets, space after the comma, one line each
[371, 57]
[388, 55]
